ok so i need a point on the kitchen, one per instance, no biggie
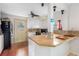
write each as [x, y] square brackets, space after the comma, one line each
[45, 29]
[57, 42]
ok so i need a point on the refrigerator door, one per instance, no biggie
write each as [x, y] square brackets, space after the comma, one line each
[7, 35]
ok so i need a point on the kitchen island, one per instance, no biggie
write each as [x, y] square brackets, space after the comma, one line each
[42, 45]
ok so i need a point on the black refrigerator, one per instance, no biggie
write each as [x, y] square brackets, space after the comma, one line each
[5, 26]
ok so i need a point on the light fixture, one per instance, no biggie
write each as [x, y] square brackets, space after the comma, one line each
[42, 4]
[33, 14]
[54, 8]
[62, 11]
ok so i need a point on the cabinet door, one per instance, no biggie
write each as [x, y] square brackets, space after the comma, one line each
[74, 46]
[20, 30]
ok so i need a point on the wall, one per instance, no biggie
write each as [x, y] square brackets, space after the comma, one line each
[64, 18]
[74, 17]
[38, 22]
[0, 14]
[0, 11]
[57, 14]
[74, 25]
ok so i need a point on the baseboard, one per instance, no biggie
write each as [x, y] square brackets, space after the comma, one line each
[20, 42]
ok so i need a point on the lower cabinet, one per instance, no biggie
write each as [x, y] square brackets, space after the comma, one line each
[74, 46]
[37, 50]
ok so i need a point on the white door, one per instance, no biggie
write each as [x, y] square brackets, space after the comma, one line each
[20, 30]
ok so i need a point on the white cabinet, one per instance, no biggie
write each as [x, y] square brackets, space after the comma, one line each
[74, 46]
[31, 47]
[37, 50]
[1, 43]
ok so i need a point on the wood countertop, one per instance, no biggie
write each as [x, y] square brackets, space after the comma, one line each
[44, 40]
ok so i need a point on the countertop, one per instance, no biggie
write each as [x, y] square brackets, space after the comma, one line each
[44, 40]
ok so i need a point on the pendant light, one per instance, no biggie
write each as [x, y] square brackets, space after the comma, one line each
[54, 8]
[62, 12]
[42, 4]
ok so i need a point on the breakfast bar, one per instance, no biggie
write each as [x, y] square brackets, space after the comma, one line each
[42, 45]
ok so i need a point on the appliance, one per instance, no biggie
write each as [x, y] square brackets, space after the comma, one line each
[44, 30]
[38, 33]
[5, 26]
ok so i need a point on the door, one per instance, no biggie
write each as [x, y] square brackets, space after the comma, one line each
[20, 30]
